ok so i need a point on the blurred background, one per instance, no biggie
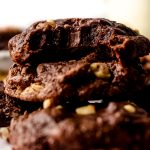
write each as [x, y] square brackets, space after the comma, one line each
[134, 13]
[15, 15]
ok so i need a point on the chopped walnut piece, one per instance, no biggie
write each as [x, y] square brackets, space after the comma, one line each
[32, 89]
[100, 70]
[86, 110]
[47, 103]
[52, 23]
[130, 108]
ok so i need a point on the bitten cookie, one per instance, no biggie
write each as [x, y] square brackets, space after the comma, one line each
[72, 38]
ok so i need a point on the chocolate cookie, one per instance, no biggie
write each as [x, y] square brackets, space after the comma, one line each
[83, 79]
[67, 39]
[6, 34]
[12, 107]
[118, 126]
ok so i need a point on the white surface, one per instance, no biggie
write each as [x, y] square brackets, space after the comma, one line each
[135, 13]
[4, 145]
[23, 12]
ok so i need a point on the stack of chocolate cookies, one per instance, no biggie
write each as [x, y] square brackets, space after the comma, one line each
[84, 72]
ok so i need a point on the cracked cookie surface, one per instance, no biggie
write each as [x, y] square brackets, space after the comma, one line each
[66, 39]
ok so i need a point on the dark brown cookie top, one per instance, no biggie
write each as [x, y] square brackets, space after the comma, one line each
[68, 39]
[5, 35]
[79, 80]
[12, 107]
[119, 125]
